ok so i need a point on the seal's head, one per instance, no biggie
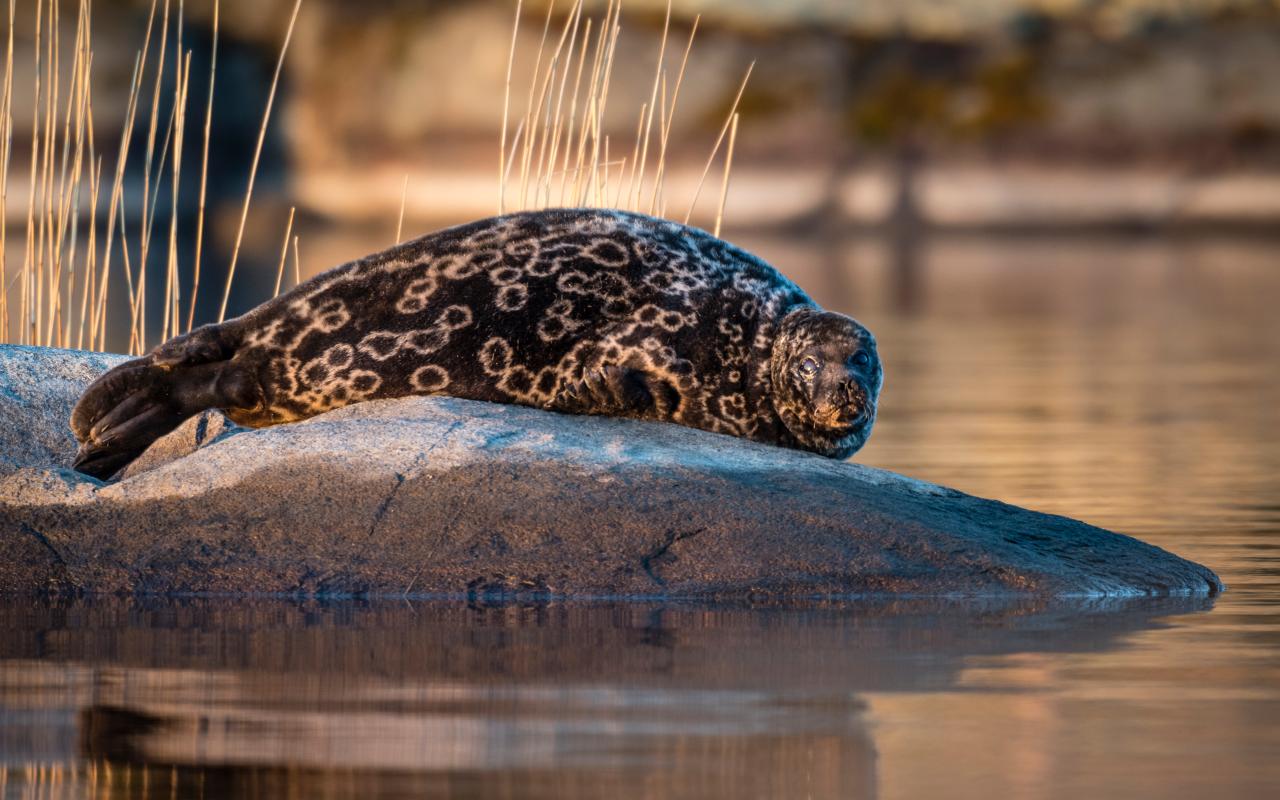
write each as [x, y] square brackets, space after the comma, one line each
[826, 379]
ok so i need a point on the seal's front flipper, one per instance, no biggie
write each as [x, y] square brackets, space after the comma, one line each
[625, 392]
[137, 402]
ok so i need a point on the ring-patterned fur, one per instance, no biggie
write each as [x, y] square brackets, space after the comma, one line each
[573, 310]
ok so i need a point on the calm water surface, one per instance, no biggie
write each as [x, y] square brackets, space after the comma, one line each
[1133, 384]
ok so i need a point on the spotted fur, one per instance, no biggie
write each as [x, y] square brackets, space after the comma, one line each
[578, 311]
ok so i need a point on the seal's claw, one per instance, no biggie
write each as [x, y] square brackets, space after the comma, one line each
[615, 390]
[106, 393]
[125, 436]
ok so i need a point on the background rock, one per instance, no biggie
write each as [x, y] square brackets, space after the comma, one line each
[38, 389]
[430, 495]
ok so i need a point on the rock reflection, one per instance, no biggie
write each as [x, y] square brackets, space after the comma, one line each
[205, 698]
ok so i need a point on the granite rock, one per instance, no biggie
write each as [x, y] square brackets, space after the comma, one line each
[442, 496]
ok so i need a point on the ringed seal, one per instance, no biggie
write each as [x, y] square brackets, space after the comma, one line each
[581, 311]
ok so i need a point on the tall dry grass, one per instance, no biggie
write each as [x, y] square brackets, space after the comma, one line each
[59, 295]
[559, 154]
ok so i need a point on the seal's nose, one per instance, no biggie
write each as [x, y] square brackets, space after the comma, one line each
[852, 394]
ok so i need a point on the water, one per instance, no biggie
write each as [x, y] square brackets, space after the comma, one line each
[1130, 383]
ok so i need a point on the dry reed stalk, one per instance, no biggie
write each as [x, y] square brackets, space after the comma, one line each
[599, 192]
[90, 284]
[669, 115]
[114, 212]
[598, 124]
[544, 101]
[117, 186]
[128, 268]
[588, 108]
[404, 190]
[74, 111]
[532, 174]
[91, 251]
[46, 207]
[57, 204]
[515, 143]
[297, 268]
[635, 152]
[605, 165]
[71, 185]
[169, 127]
[204, 170]
[27, 287]
[172, 281]
[44, 243]
[533, 83]
[662, 123]
[284, 253]
[138, 336]
[617, 196]
[253, 169]
[716, 147]
[546, 168]
[148, 221]
[545, 145]
[653, 101]
[581, 185]
[95, 183]
[83, 139]
[573, 109]
[550, 133]
[506, 109]
[178, 57]
[59, 330]
[6, 150]
[728, 164]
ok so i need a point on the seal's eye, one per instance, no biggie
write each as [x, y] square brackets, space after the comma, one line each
[861, 358]
[809, 367]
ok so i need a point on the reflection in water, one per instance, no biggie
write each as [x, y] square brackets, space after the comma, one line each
[1131, 383]
[244, 699]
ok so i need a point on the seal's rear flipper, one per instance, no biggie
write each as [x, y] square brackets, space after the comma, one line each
[137, 402]
[204, 345]
[121, 414]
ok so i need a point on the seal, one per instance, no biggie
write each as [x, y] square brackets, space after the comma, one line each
[582, 311]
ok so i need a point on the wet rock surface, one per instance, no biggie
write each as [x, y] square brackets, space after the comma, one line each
[436, 495]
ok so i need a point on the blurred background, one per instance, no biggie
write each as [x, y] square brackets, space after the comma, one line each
[875, 118]
[994, 114]
[1008, 114]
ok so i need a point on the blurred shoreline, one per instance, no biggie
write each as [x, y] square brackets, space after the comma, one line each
[1014, 198]
[1025, 121]
[961, 196]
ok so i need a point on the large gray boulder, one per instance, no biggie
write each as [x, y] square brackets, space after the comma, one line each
[435, 495]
